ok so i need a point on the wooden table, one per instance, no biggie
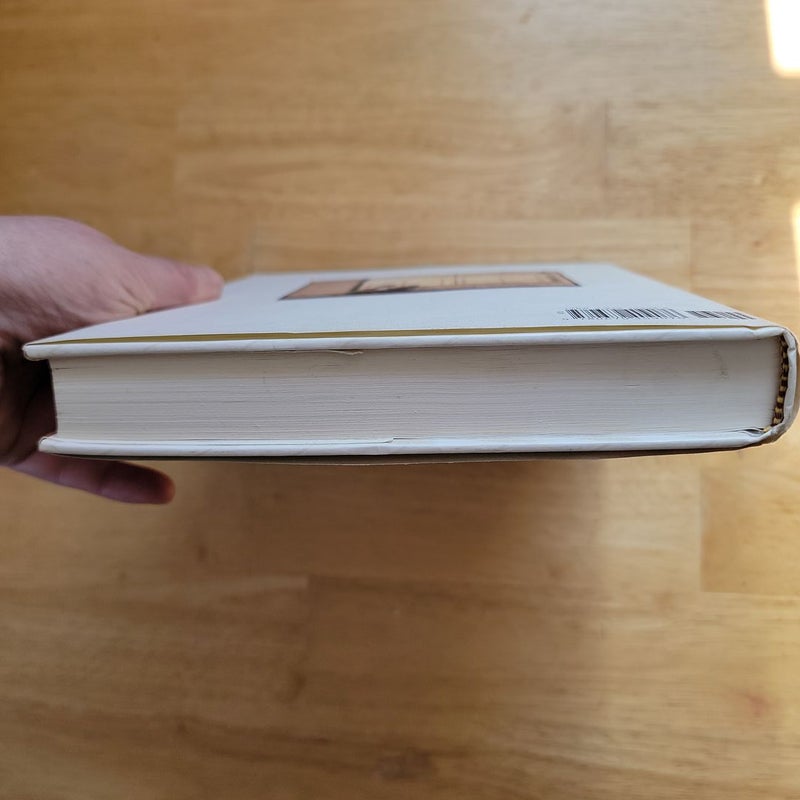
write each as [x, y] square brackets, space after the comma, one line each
[596, 629]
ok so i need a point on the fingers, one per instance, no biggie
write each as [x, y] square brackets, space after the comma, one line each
[116, 480]
[163, 283]
[57, 275]
[26, 406]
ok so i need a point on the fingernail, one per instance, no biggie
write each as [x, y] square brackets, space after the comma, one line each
[210, 282]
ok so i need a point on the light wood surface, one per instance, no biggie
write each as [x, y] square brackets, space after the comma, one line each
[599, 629]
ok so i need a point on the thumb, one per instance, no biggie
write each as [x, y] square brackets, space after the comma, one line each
[154, 283]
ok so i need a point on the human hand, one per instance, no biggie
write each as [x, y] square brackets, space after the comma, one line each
[57, 275]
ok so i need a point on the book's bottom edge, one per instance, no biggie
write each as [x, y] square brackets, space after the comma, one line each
[407, 449]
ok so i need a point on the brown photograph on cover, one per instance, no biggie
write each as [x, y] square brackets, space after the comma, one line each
[430, 283]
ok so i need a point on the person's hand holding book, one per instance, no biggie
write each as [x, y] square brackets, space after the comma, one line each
[57, 275]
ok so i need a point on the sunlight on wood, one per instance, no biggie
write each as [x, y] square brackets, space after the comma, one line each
[783, 21]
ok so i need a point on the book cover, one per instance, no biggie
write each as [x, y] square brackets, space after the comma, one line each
[397, 304]
[439, 308]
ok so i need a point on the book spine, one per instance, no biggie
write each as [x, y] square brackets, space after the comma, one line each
[786, 399]
[783, 384]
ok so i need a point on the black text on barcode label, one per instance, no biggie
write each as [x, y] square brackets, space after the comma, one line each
[651, 314]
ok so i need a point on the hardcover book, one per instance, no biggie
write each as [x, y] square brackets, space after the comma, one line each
[434, 362]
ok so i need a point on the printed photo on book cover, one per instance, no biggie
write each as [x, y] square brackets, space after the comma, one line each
[430, 283]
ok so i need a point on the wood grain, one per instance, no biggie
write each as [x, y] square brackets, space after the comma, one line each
[587, 630]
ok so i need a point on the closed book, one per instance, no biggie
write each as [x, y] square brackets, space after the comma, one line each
[439, 362]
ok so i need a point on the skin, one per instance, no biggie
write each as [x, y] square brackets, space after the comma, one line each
[57, 275]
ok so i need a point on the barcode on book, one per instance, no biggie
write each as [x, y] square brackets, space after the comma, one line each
[651, 313]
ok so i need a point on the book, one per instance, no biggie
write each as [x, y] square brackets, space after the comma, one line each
[438, 362]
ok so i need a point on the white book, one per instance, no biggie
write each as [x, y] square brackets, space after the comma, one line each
[437, 362]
